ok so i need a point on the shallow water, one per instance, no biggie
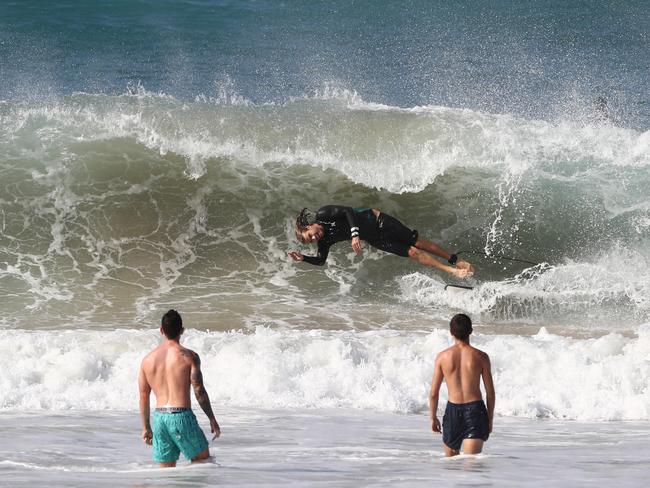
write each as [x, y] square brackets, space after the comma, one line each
[321, 447]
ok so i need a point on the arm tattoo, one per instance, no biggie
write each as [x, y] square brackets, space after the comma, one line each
[199, 390]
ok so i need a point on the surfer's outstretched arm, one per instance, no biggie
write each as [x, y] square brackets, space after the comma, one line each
[318, 260]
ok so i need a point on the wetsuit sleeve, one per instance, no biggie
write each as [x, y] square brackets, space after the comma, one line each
[320, 258]
[333, 212]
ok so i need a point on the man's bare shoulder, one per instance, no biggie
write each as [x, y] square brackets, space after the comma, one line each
[445, 353]
[189, 355]
[481, 354]
[150, 357]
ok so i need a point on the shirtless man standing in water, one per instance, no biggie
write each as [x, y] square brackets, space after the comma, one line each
[467, 421]
[169, 370]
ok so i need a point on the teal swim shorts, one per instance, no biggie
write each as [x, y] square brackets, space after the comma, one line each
[176, 432]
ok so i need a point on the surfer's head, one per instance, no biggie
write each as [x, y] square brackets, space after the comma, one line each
[306, 230]
[172, 324]
[304, 219]
[460, 327]
[313, 233]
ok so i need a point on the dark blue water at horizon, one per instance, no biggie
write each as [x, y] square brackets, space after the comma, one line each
[541, 60]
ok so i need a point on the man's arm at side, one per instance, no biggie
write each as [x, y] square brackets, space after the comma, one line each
[196, 377]
[145, 393]
[436, 382]
[489, 388]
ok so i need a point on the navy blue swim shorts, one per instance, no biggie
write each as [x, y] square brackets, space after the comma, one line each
[464, 421]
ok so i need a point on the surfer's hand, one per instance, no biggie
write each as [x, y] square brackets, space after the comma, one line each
[295, 255]
[356, 244]
[214, 428]
[147, 436]
[435, 425]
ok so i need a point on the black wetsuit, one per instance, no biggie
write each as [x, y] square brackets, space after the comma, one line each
[342, 223]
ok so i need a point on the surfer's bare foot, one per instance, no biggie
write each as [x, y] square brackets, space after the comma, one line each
[462, 273]
[465, 265]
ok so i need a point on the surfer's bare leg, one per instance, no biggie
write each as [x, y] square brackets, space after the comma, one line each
[427, 259]
[472, 446]
[202, 456]
[431, 247]
[434, 248]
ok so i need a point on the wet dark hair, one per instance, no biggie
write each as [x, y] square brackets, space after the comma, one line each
[172, 324]
[304, 219]
[460, 326]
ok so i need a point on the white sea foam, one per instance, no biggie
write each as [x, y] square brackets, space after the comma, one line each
[399, 149]
[540, 376]
[546, 291]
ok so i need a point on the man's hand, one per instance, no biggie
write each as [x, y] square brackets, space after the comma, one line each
[295, 255]
[435, 425]
[356, 244]
[214, 428]
[147, 436]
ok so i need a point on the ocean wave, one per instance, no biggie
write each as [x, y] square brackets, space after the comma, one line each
[378, 146]
[543, 375]
[115, 206]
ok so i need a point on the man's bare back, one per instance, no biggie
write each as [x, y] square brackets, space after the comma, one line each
[169, 371]
[462, 366]
[467, 421]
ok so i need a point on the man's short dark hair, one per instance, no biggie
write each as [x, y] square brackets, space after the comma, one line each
[460, 326]
[172, 324]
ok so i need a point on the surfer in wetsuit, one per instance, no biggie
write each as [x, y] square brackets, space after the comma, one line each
[336, 223]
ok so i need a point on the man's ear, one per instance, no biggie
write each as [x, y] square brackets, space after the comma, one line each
[162, 332]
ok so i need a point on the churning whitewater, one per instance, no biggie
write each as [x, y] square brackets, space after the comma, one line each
[115, 207]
